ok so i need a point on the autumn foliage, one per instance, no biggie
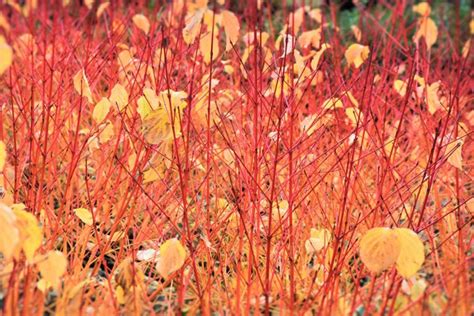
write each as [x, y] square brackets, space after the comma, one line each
[198, 157]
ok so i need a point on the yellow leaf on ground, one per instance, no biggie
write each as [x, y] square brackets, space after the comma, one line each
[379, 249]
[84, 215]
[172, 256]
[412, 253]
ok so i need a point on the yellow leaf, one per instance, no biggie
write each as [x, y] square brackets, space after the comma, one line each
[357, 32]
[401, 87]
[101, 9]
[53, 267]
[466, 48]
[158, 124]
[354, 115]
[4, 24]
[356, 54]
[84, 215]
[323, 234]
[193, 25]
[89, 3]
[313, 245]
[31, 234]
[432, 99]
[119, 96]
[312, 38]
[422, 8]
[120, 294]
[295, 19]
[412, 253]
[428, 30]
[172, 256]
[147, 102]
[6, 55]
[141, 22]
[418, 289]
[454, 150]
[81, 85]
[332, 103]
[317, 56]
[316, 15]
[101, 110]
[107, 132]
[379, 249]
[319, 239]
[231, 28]
[209, 40]
[3, 155]
[152, 174]
[10, 236]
